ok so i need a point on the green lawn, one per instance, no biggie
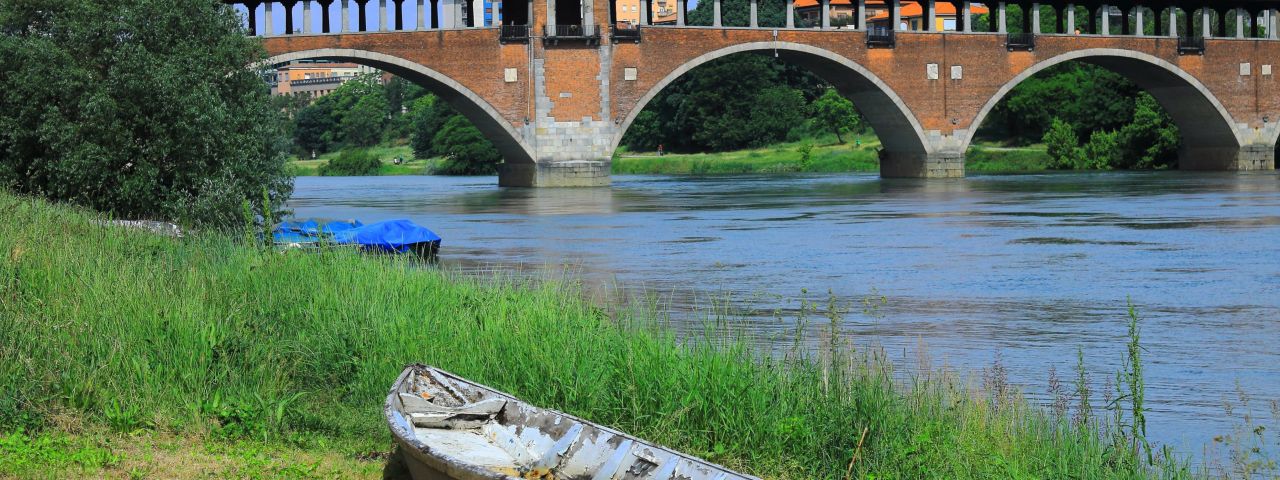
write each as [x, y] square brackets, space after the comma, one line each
[217, 342]
[387, 154]
[827, 157]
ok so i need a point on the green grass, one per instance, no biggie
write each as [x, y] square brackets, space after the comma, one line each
[992, 159]
[826, 156]
[387, 154]
[208, 338]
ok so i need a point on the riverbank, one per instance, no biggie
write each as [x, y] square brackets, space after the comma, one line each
[859, 154]
[209, 339]
[385, 154]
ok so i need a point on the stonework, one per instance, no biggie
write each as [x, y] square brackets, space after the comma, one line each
[558, 112]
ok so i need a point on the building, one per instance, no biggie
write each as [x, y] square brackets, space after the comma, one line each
[662, 12]
[808, 13]
[316, 79]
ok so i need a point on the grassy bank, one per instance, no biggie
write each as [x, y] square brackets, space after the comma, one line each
[825, 157]
[212, 340]
[385, 154]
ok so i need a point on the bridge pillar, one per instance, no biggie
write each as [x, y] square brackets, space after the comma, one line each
[862, 14]
[896, 16]
[1206, 22]
[1070, 12]
[306, 17]
[1255, 156]
[1035, 18]
[1003, 26]
[965, 15]
[268, 25]
[949, 164]
[791, 15]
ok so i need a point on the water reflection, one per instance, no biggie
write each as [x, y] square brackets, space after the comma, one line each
[1028, 267]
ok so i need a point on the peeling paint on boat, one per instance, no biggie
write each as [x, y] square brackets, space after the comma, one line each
[467, 438]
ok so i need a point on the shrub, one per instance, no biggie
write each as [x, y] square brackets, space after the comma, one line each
[143, 108]
[1062, 144]
[1101, 153]
[351, 163]
[466, 150]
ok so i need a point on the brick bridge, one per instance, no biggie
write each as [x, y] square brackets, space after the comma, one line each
[556, 98]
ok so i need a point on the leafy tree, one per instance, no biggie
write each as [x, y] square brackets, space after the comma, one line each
[352, 162]
[1063, 145]
[466, 150]
[1101, 153]
[143, 108]
[429, 114]
[1086, 96]
[313, 127]
[362, 125]
[1150, 140]
[835, 112]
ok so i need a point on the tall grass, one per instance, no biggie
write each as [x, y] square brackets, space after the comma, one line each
[205, 335]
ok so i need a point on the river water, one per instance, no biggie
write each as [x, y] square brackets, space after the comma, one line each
[1021, 269]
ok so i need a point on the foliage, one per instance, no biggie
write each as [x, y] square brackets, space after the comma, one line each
[143, 108]
[1151, 140]
[362, 125]
[734, 102]
[312, 127]
[806, 156]
[352, 162]
[429, 115]
[834, 111]
[1062, 145]
[466, 150]
[1101, 153]
[202, 330]
[1088, 97]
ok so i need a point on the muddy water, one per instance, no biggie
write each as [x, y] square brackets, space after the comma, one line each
[1023, 269]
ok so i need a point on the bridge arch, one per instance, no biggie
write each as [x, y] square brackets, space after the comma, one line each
[900, 132]
[1209, 133]
[509, 142]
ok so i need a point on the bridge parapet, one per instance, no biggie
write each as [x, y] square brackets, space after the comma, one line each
[558, 110]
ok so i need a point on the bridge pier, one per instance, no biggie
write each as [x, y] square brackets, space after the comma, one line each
[947, 164]
[573, 173]
[1256, 156]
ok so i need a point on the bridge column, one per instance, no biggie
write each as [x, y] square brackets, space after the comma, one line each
[1139, 25]
[1272, 22]
[346, 17]
[268, 27]
[896, 16]
[930, 15]
[755, 23]
[477, 15]
[966, 15]
[1206, 22]
[791, 15]
[715, 13]
[1070, 13]
[681, 7]
[306, 17]
[1173, 22]
[860, 13]
[382, 15]
[644, 10]
[1035, 18]
[939, 164]
[1239, 23]
[826, 14]
[422, 15]
[1001, 22]
[1106, 19]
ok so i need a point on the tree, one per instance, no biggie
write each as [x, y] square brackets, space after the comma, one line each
[835, 112]
[429, 114]
[362, 125]
[1062, 144]
[466, 150]
[313, 127]
[143, 108]
[1101, 153]
[1150, 140]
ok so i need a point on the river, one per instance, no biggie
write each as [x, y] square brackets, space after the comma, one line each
[1023, 269]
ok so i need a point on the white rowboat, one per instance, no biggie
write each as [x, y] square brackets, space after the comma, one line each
[448, 427]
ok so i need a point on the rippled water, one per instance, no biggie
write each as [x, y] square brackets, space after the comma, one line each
[1025, 268]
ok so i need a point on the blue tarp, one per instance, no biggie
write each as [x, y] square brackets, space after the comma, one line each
[391, 235]
[316, 227]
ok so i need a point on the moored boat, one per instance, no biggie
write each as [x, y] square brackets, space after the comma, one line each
[448, 427]
[393, 236]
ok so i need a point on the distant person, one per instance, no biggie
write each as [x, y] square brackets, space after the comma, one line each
[398, 160]
[660, 150]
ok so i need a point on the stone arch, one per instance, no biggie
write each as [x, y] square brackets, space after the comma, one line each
[899, 130]
[509, 142]
[1214, 141]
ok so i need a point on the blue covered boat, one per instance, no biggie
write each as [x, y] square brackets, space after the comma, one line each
[395, 236]
[309, 232]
